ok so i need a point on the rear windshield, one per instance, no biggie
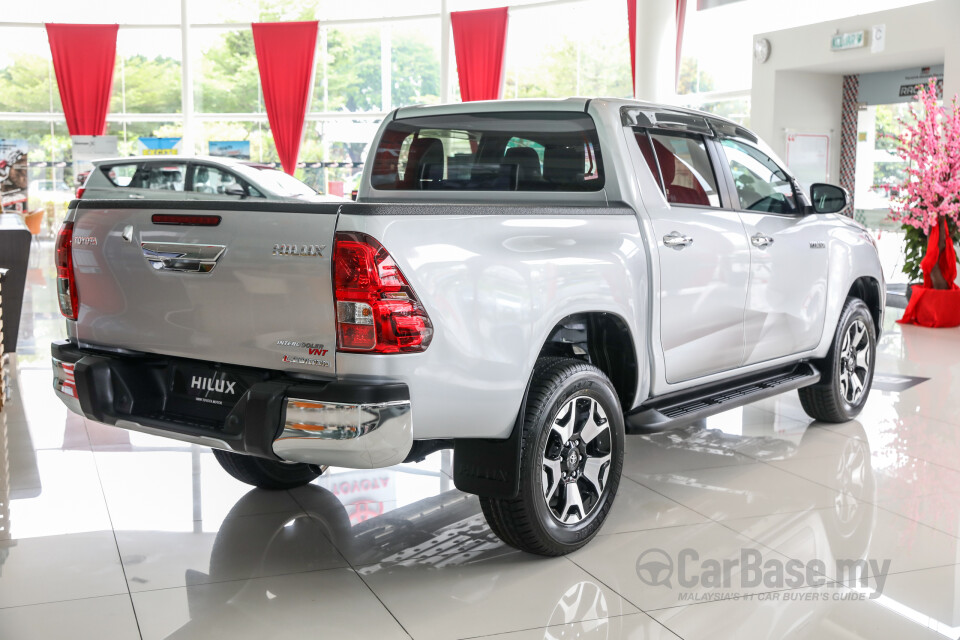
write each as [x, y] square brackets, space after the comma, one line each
[526, 151]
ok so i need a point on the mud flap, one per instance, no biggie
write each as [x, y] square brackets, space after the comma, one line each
[487, 467]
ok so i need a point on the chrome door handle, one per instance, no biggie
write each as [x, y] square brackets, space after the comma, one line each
[761, 241]
[187, 258]
[677, 240]
[136, 196]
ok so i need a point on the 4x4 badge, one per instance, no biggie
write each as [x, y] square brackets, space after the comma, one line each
[299, 250]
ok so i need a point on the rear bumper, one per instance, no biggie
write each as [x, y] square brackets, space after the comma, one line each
[335, 423]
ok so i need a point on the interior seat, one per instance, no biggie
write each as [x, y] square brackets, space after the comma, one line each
[527, 162]
[678, 194]
[424, 156]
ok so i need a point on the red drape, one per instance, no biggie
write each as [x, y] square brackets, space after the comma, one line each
[285, 55]
[681, 20]
[83, 59]
[681, 15]
[479, 40]
[929, 307]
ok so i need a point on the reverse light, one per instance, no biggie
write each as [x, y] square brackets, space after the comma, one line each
[66, 284]
[377, 309]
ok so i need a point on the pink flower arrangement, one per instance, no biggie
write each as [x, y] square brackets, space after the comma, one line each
[931, 147]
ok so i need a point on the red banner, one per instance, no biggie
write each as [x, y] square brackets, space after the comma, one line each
[83, 59]
[479, 40]
[285, 55]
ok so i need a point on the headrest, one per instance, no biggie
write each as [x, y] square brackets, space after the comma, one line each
[563, 164]
[423, 151]
[527, 161]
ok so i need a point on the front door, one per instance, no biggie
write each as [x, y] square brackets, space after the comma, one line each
[788, 273]
[704, 258]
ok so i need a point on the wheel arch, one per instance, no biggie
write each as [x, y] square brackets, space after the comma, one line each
[604, 340]
[869, 290]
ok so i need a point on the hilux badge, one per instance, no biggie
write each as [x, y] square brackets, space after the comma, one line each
[299, 250]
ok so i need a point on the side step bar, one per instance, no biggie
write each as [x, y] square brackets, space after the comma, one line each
[691, 405]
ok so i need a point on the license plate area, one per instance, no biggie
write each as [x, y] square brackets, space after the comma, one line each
[204, 394]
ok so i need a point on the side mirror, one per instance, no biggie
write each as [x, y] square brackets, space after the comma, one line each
[828, 198]
[235, 190]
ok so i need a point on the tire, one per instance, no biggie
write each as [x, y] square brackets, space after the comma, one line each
[267, 474]
[847, 371]
[573, 425]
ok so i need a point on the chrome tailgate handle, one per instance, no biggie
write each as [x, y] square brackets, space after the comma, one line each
[677, 240]
[182, 257]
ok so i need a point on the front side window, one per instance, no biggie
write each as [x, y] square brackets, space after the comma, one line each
[524, 151]
[213, 180]
[761, 184]
[681, 165]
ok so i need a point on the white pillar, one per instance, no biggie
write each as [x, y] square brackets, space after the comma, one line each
[866, 124]
[445, 36]
[187, 144]
[386, 80]
[655, 50]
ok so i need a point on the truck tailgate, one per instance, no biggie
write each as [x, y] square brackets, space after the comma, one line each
[254, 289]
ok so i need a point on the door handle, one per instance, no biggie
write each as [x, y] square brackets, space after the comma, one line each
[135, 195]
[676, 240]
[761, 241]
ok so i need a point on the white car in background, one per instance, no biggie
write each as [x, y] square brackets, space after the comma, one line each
[193, 178]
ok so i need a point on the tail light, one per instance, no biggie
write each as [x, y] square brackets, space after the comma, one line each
[80, 191]
[66, 284]
[377, 309]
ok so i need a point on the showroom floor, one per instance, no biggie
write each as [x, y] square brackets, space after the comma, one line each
[109, 534]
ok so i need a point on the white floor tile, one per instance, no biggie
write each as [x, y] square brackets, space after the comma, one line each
[244, 547]
[54, 568]
[663, 567]
[318, 604]
[637, 626]
[108, 617]
[738, 491]
[510, 592]
[819, 618]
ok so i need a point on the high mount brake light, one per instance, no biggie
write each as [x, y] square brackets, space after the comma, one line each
[377, 309]
[66, 284]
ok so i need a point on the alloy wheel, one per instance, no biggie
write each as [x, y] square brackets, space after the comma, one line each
[576, 459]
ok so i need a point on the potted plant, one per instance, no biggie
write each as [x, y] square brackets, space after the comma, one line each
[930, 197]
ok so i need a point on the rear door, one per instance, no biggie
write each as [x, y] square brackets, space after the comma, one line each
[703, 253]
[244, 283]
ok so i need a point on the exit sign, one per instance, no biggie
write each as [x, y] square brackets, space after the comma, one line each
[851, 40]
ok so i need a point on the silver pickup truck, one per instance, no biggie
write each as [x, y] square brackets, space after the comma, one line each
[523, 281]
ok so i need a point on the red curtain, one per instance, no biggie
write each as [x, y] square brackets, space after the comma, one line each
[479, 40]
[681, 16]
[83, 59]
[681, 19]
[285, 55]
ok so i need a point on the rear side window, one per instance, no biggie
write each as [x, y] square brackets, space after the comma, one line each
[526, 151]
[161, 176]
[119, 175]
[681, 165]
